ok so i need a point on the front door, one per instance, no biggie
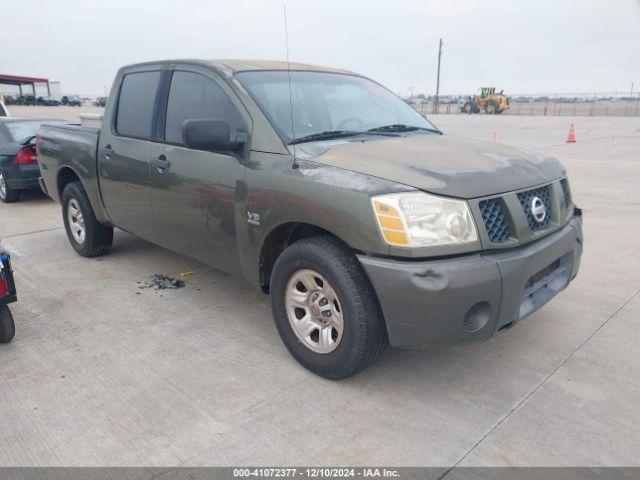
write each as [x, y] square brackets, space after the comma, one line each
[193, 192]
[124, 154]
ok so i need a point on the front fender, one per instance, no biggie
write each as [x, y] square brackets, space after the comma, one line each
[327, 197]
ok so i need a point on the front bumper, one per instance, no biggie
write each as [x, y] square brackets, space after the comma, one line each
[472, 297]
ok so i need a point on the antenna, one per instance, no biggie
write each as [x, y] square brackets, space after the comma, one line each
[286, 42]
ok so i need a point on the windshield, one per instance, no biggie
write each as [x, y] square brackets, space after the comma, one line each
[323, 102]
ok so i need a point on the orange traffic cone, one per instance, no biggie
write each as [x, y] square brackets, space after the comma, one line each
[494, 137]
[572, 135]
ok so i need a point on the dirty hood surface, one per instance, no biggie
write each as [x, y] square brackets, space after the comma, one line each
[440, 164]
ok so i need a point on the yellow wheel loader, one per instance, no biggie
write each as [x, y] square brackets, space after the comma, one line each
[488, 100]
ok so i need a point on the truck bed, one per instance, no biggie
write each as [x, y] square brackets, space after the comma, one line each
[70, 150]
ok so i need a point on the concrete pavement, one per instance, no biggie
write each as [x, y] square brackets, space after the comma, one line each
[104, 373]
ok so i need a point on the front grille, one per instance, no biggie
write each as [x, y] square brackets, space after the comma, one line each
[525, 200]
[566, 194]
[495, 220]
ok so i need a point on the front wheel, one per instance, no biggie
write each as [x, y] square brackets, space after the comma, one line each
[490, 107]
[87, 236]
[7, 326]
[325, 309]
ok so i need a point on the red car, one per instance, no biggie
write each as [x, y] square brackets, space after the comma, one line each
[7, 296]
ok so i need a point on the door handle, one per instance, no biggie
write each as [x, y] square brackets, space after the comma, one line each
[108, 152]
[161, 163]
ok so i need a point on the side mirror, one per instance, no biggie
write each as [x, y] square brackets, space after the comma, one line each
[210, 135]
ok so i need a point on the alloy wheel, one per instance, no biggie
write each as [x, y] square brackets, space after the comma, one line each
[3, 187]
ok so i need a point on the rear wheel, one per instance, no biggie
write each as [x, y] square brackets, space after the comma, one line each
[7, 326]
[87, 236]
[8, 195]
[325, 309]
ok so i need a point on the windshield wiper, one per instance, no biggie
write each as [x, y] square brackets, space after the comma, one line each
[399, 127]
[329, 134]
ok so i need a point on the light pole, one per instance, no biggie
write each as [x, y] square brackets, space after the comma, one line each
[436, 101]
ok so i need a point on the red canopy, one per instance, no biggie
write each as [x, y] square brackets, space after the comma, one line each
[17, 79]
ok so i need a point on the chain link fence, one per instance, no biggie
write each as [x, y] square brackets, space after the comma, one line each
[603, 104]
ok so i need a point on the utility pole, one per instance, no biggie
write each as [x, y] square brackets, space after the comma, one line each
[436, 101]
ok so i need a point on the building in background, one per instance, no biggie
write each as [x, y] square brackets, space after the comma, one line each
[55, 90]
[15, 86]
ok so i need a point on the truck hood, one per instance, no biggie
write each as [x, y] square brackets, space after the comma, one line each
[440, 164]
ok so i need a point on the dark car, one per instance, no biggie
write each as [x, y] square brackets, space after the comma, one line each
[71, 101]
[26, 100]
[18, 163]
[48, 102]
[100, 102]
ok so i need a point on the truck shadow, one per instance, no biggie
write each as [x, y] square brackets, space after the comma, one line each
[465, 369]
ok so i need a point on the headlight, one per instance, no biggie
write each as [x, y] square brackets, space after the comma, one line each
[417, 219]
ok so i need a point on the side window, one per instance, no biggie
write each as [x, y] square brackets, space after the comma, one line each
[136, 103]
[194, 96]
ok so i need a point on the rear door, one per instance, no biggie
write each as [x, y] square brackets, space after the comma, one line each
[193, 198]
[124, 153]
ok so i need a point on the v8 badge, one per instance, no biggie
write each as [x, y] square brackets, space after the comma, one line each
[253, 218]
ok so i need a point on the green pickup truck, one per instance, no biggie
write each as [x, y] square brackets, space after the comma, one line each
[362, 221]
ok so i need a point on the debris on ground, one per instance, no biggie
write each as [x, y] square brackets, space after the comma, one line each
[162, 282]
[187, 274]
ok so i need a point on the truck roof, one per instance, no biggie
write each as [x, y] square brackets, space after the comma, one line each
[231, 66]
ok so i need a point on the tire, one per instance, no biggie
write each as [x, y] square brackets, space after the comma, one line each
[490, 105]
[96, 239]
[363, 337]
[466, 108]
[8, 195]
[7, 326]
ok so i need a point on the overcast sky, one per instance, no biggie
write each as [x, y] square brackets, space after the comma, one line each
[540, 46]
